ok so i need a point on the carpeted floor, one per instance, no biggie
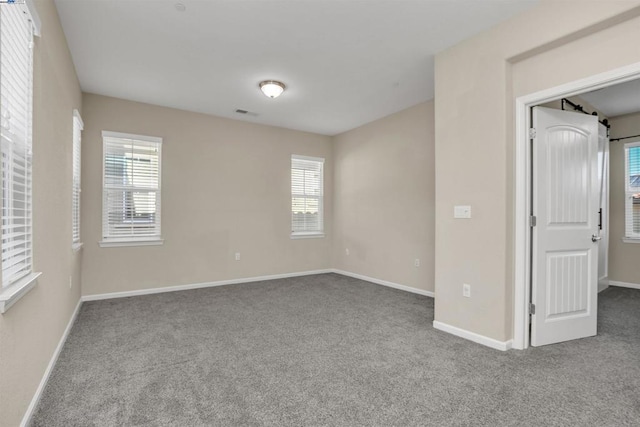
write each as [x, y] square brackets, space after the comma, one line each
[329, 350]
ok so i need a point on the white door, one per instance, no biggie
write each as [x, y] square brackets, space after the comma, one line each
[565, 246]
[603, 178]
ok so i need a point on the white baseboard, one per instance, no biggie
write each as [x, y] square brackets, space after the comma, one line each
[385, 283]
[624, 284]
[150, 291]
[603, 284]
[26, 419]
[110, 295]
[472, 336]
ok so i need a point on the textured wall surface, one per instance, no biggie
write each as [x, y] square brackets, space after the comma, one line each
[225, 189]
[477, 81]
[623, 257]
[385, 198]
[31, 329]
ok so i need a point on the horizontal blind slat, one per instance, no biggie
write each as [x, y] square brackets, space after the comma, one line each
[76, 179]
[131, 188]
[632, 190]
[306, 195]
[15, 141]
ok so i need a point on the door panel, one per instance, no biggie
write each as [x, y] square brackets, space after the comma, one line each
[603, 178]
[567, 196]
[565, 295]
[566, 203]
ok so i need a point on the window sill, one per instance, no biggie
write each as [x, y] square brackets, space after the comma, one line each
[76, 247]
[631, 239]
[315, 235]
[120, 243]
[17, 290]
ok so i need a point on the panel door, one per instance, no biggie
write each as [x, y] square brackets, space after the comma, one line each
[603, 178]
[565, 245]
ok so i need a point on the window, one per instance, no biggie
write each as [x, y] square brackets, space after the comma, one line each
[16, 99]
[632, 190]
[131, 190]
[75, 208]
[306, 196]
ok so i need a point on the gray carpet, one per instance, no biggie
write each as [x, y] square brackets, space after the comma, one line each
[329, 350]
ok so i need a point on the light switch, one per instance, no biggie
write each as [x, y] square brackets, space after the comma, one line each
[462, 212]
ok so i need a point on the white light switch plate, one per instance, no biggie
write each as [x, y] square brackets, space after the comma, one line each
[462, 211]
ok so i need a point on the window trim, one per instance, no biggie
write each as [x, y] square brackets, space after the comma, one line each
[114, 243]
[34, 17]
[629, 235]
[130, 241]
[10, 294]
[110, 134]
[76, 245]
[309, 234]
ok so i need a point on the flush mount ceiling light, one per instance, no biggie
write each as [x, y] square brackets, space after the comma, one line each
[272, 88]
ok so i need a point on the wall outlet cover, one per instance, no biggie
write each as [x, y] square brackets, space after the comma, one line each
[462, 211]
[466, 290]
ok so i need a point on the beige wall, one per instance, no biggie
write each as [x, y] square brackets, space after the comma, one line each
[225, 189]
[211, 165]
[623, 257]
[476, 84]
[384, 198]
[31, 329]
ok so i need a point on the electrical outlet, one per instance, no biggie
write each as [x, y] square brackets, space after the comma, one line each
[237, 256]
[466, 290]
[416, 262]
[346, 251]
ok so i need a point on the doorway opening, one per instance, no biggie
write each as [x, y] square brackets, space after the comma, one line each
[525, 197]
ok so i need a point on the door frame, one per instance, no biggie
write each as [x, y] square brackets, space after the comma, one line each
[522, 171]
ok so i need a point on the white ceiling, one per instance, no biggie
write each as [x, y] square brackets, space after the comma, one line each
[345, 62]
[617, 100]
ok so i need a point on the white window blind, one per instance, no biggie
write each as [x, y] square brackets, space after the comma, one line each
[16, 93]
[131, 193]
[306, 195]
[632, 190]
[75, 209]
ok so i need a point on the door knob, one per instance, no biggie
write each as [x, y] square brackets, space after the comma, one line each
[595, 238]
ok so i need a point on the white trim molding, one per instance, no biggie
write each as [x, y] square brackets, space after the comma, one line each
[309, 158]
[122, 135]
[137, 292]
[307, 235]
[76, 115]
[35, 18]
[522, 175]
[26, 419]
[385, 283]
[130, 242]
[472, 336]
[603, 283]
[624, 284]
[17, 290]
[125, 294]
